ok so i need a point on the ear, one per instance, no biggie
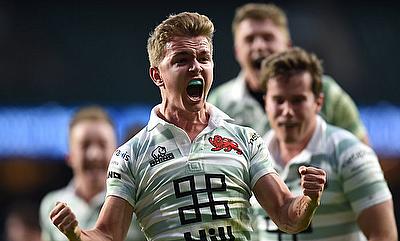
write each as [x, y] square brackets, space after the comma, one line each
[155, 75]
[265, 102]
[235, 51]
[68, 160]
[289, 43]
[320, 101]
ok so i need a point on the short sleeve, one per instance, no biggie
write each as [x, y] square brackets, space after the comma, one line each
[120, 178]
[363, 180]
[260, 161]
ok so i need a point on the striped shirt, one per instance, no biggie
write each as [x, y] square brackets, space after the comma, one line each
[354, 182]
[234, 99]
[190, 190]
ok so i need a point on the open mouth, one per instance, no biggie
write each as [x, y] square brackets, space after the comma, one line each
[195, 89]
[257, 63]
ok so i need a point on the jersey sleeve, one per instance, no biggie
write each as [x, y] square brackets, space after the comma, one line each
[260, 161]
[363, 182]
[120, 179]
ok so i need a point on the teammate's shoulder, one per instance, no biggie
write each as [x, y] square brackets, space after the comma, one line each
[338, 136]
[330, 84]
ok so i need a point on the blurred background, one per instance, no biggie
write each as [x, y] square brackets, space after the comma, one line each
[58, 55]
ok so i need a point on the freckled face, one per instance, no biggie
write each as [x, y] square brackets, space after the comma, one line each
[186, 72]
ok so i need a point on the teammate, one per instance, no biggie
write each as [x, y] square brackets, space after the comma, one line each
[260, 30]
[357, 204]
[92, 141]
[188, 175]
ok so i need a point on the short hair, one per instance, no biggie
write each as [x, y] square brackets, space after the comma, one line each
[92, 113]
[180, 25]
[291, 62]
[261, 11]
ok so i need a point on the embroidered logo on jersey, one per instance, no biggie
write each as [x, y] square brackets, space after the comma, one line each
[226, 144]
[160, 155]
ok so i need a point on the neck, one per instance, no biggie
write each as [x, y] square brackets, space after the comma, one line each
[253, 83]
[289, 151]
[191, 122]
[86, 192]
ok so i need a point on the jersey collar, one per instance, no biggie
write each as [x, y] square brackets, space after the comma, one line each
[217, 117]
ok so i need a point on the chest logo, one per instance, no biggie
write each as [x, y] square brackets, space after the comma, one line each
[160, 155]
[226, 144]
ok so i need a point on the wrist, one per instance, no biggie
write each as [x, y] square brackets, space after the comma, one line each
[75, 235]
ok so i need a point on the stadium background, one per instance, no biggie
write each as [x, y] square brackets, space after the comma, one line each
[58, 55]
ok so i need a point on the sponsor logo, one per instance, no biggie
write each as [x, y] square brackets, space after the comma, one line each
[112, 174]
[226, 144]
[214, 236]
[123, 155]
[160, 155]
[254, 137]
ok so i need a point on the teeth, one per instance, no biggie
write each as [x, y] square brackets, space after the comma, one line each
[195, 82]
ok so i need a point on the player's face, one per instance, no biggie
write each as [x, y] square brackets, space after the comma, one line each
[292, 107]
[92, 144]
[255, 40]
[185, 74]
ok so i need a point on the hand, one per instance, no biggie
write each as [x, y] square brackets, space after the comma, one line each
[312, 181]
[64, 219]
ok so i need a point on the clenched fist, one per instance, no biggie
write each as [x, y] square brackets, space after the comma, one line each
[312, 181]
[64, 219]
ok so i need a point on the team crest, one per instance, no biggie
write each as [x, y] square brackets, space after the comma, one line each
[223, 143]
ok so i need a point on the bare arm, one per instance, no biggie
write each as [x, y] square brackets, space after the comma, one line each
[291, 214]
[378, 222]
[112, 224]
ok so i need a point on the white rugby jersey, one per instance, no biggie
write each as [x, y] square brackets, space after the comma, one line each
[183, 190]
[354, 182]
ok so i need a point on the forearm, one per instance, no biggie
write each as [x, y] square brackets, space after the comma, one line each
[297, 214]
[93, 235]
[87, 235]
[383, 239]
